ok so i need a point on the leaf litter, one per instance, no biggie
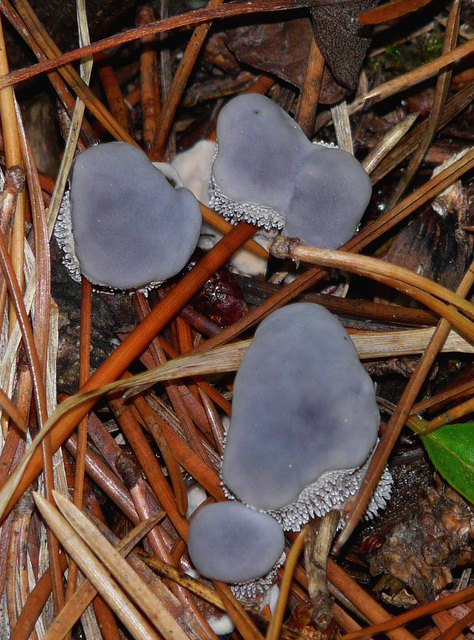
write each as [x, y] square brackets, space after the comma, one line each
[142, 456]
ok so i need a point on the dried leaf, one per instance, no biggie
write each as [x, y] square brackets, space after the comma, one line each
[420, 550]
[281, 49]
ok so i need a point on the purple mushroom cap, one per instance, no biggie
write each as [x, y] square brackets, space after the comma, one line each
[267, 172]
[251, 133]
[303, 406]
[130, 226]
[330, 194]
[231, 542]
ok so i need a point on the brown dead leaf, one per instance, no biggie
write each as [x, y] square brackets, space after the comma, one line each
[281, 49]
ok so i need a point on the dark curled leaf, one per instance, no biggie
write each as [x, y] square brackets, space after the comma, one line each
[451, 450]
[342, 40]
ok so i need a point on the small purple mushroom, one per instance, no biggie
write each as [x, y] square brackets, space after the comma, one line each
[267, 172]
[304, 418]
[130, 227]
[231, 542]
[250, 180]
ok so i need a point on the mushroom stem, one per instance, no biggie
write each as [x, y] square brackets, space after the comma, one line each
[318, 543]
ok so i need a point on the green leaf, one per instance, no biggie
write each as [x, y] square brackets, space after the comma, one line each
[451, 449]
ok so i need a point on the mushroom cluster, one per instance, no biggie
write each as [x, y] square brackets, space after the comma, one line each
[304, 424]
[267, 172]
[124, 226]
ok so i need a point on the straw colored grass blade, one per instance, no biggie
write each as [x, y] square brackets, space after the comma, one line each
[84, 595]
[121, 570]
[95, 571]
[370, 344]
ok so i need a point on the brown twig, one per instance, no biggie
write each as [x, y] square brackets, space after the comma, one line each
[455, 413]
[193, 18]
[13, 157]
[417, 287]
[441, 91]
[69, 74]
[112, 91]
[178, 85]
[98, 471]
[149, 85]
[309, 98]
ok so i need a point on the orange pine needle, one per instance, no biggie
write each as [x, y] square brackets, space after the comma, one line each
[391, 11]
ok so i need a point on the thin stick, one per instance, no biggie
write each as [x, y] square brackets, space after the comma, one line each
[223, 226]
[84, 373]
[273, 631]
[178, 85]
[387, 143]
[393, 275]
[317, 547]
[391, 10]
[442, 86]
[35, 603]
[113, 91]
[455, 413]
[149, 83]
[13, 157]
[420, 611]
[427, 70]
[309, 97]
[25, 326]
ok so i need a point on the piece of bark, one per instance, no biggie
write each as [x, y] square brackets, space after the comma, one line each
[431, 245]
[435, 537]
